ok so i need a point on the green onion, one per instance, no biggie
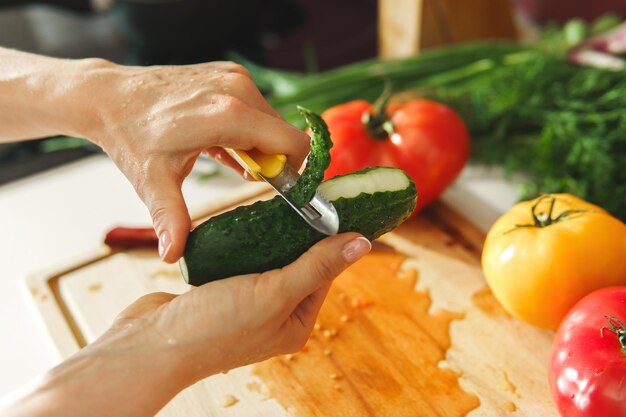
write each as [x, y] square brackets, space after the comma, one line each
[527, 107]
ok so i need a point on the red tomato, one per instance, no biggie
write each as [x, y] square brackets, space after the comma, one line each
[428, 140]
[587, 370]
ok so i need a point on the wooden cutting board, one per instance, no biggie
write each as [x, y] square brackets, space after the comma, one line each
[410, 330]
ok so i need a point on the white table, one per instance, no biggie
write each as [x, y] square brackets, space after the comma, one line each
[51, 217]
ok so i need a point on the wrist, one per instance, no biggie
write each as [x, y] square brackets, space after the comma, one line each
[76, 104]
[42, 96]
[139, 372]
[52, 96]
[144, 354]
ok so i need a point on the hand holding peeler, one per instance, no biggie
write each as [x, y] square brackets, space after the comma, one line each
[274, 169]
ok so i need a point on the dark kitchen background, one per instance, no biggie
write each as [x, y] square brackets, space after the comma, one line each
[299, 35]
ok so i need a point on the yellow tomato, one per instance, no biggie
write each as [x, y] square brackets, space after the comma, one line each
[544, 255]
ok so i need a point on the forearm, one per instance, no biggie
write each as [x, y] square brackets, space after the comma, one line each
[42, 96]
[104, 380]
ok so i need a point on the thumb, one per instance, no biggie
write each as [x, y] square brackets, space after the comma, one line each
[322, 263]
[170, 216]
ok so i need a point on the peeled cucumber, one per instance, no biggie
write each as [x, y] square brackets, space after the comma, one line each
[269, 234]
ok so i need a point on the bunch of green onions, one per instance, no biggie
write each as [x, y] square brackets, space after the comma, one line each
[532, 108]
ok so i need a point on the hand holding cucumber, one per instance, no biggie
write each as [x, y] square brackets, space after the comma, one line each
[154, 122]
[163, 343]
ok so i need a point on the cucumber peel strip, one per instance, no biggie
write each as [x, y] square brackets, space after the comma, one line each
[269, 234]
[317, 162]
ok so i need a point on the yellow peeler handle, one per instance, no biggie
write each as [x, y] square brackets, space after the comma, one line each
[256, 162]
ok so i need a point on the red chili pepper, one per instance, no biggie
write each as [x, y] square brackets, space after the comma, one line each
[132, 237]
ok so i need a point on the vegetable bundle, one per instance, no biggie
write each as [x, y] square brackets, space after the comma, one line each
[526, 106]
[564, 126]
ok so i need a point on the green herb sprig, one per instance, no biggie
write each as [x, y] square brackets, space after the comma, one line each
[526, 106]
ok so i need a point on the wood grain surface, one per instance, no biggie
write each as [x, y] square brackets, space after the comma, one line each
[410, 330]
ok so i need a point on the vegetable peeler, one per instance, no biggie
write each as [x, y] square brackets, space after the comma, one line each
[274, 169]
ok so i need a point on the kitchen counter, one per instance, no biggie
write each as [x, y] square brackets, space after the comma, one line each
[51, 217]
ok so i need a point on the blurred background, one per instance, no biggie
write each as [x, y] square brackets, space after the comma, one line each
[535, 116]
[297, 35]
[302, 35]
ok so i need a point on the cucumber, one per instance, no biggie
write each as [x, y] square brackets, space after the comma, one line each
[269, 234]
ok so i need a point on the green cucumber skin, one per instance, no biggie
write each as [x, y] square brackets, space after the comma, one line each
[317, 162]
[269, 234]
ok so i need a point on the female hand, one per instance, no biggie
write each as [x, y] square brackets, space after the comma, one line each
[163, 343]
[233, 322]
[152, 121]
[155, 121]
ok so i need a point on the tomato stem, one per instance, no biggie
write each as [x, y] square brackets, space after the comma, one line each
[618, 328]
[542, 219]
[376, 121]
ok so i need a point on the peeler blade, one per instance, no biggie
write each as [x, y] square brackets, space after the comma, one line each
[319, 213]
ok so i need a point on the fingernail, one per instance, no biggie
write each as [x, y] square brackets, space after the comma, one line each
[356, 249]
[165, 243]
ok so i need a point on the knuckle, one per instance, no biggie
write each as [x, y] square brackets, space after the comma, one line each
[232, 104]
[324, 269]
[235, 79]
[246, 85]
[239, 69]
[303, 145]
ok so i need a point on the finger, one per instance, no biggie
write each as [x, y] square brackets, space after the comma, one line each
[307, 311]
[320, 265]
[297, 327]
[161, 192]
[245, 127]
[221, 156]
[244, 88]
[229, 66]
[236, 80]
